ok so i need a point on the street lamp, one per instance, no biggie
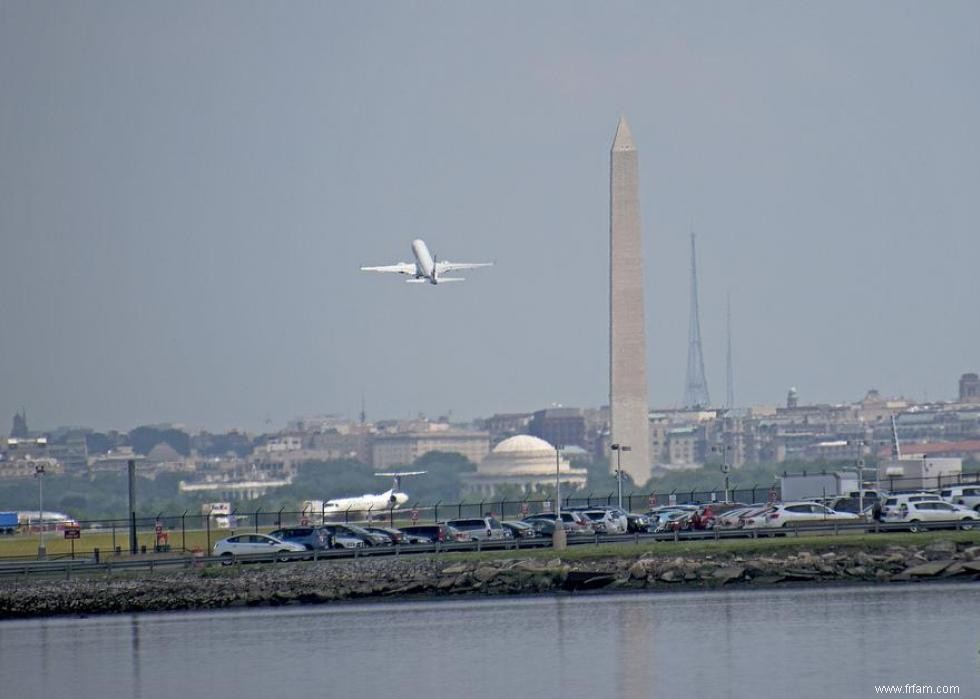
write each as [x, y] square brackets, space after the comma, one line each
[619, 449]
[725, 468]
[558, 539]
[39, 474]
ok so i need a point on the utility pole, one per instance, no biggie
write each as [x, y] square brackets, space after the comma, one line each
[39, 474]
[619, 449]
[558, 539]
[131, 464]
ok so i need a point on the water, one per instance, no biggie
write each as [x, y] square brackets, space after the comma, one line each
[824, 642]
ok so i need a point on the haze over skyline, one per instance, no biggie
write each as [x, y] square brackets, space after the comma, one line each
[187, 192]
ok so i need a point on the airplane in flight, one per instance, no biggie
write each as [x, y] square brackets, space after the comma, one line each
[426, 267]
[380, 503]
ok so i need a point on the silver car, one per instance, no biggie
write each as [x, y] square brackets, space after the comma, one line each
[479, 528]
[254, 545]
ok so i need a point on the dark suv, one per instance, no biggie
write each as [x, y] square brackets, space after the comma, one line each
[313, 538]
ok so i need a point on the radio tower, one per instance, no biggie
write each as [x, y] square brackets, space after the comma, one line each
[696, 388]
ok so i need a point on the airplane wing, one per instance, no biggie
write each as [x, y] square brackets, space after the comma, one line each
[453, 266]
[400, 268]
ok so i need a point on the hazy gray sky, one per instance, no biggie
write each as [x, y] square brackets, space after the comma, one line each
[188, 189]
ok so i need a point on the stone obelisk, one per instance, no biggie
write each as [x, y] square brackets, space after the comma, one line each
[627, 337]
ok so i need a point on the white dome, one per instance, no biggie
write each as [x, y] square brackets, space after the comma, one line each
[523, 444]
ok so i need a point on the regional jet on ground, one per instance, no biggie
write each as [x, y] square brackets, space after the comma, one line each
[426, 267]
[363, 505]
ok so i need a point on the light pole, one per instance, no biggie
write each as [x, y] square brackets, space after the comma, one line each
[725, 468]
[558, 539]
[619, 449]
[39, 474]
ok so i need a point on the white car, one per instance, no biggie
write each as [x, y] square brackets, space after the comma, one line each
[919, 514]
[966, 495]
[894, 502]
[790, 514]
[607, 521]
[254, 545]
[735, 519]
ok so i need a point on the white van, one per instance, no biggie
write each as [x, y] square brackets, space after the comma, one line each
[894, 502]
[965, 495]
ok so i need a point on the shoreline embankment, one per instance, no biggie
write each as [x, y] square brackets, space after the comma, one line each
[458, 575]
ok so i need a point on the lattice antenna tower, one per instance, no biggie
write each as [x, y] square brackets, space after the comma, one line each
[730, 366]
[696, 385]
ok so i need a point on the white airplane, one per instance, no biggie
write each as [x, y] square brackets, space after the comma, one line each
[426, 267]
[380, 503]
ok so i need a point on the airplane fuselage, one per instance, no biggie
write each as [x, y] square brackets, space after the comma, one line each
[364, 503]
[426, 268]
[424, 264]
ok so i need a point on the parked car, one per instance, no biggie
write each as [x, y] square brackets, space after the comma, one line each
[673, 520]
[433, 532]
[895, 500]
[519, 530]
[734, 519]
[253, 545]
[343, 538]
[965, 495]
[933, 513]
[575, 522]
[606, 521]
[369, 538]
[478, 528]
[396, 536]
[797, 513]
[312, 538]
[637, 523]
[546, 527]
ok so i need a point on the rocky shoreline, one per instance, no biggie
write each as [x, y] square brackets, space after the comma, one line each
[216, 587]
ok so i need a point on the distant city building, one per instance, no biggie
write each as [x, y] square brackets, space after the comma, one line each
[19, 429]
[504, 425]
[564, 426]
[969, 388]
[20, 467]
[115, 461]
[402, 449]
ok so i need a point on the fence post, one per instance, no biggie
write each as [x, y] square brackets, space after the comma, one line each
[279, 517]
[207, 520]
[435, 511]
[257, 511]
[481, 507]
[183, 532]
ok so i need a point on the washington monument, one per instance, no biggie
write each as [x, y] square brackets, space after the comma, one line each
[628, 403]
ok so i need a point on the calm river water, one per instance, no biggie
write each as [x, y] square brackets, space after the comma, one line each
[825, 642]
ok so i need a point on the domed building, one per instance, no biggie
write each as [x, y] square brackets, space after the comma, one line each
[524, 461]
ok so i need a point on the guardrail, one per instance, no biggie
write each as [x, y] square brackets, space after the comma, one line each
[69, 567]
